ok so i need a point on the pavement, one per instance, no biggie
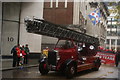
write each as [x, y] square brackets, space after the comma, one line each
[7, 64]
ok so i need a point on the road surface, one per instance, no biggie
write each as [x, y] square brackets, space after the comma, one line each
[104, 72]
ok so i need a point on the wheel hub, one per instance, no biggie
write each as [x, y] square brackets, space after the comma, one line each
[72, 70]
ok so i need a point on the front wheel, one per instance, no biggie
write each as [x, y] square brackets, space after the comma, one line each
[70, 71]
[95, 69]
[97, 65]
[43, 68]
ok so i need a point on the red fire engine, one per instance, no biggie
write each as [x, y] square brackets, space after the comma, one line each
[74, 51]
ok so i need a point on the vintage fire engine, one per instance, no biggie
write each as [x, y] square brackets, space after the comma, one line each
[74, 51]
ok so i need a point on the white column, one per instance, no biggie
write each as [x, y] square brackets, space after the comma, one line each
[65, 3]
[76, 11]
[51, 3]
[56, 3]
[115, 44]
[110, 44]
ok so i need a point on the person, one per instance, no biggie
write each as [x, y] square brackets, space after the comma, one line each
[14, 52]
[21, 59]
[27, 52]
[18, 54]
[45, 51]
[23, 53]
[66, 45]
[117, 58]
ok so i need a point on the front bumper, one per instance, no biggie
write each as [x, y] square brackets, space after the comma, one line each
[53, 68]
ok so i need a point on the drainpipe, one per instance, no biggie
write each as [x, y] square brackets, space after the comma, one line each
[18, 40]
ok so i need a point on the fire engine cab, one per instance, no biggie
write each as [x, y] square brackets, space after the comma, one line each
[73, 52]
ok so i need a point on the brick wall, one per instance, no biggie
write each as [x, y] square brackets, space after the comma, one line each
[60, 14]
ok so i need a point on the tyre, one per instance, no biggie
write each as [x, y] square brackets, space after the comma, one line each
[70, 71]
[95, 69]
[43, 68]
[97, 65]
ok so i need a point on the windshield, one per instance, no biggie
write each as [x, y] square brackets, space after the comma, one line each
[64, 44]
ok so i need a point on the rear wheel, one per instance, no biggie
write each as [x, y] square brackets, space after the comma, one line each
[70, 71]
[43, 68]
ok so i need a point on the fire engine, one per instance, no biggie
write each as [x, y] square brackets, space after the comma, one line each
[73, 52]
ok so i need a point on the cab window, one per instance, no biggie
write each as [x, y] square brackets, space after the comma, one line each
[65, 44]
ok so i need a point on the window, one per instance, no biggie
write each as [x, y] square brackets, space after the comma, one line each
[118, 33]
[108, 33]
[112, 41]
[118, 42]
[93, 4]
[108, 41]
[111, 33]
[65, 44]
[85, 22]
[86, 7]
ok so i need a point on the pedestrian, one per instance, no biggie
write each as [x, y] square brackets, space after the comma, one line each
[27, 52]
[14, 52]
[117, 58]
[18, 50]
[21, 59]
[45, 51]
[23, 53]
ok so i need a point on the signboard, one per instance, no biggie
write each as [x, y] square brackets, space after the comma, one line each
[106, 58]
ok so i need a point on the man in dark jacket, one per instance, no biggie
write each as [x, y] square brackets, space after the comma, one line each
[117, 58]
[27, 52]
[14, 52]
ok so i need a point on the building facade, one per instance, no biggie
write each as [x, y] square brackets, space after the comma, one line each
[13, 28]
[99, 30]
[103, 25]
[113, 30]
[113, 35]
[69, 14]
[57, 13]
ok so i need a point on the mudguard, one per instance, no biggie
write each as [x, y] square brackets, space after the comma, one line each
[43, 60]
[68, 62]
